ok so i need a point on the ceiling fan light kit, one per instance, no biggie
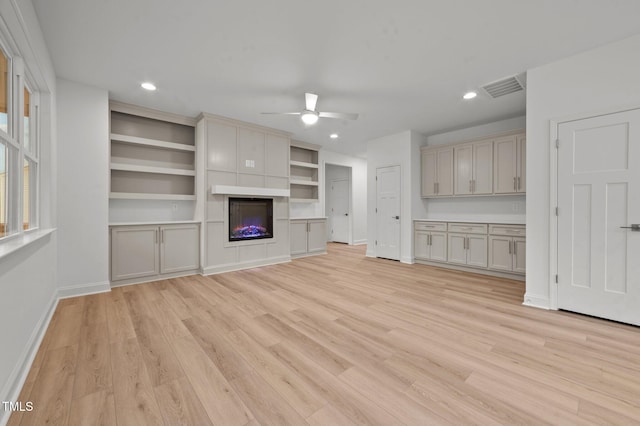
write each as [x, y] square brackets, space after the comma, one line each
[310, 116]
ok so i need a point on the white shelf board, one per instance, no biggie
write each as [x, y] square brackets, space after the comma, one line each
[149, 169]
[303, 182]
[147, 196]
[152, 142]
[303, 164]
[247, 190]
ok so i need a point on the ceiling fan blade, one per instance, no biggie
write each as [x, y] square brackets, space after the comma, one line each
[339, 115]
[281, 113]
[310, 101]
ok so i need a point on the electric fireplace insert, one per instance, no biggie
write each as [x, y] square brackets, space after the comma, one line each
[250, 218]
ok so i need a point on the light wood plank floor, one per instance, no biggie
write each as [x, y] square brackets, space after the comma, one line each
[330, 340]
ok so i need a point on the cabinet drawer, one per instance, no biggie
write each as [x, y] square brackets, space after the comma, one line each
[430, 226]
[468, 228]
[510, 230]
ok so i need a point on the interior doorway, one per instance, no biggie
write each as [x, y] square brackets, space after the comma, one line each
[338, 203]
[388, 212]
[598, 216]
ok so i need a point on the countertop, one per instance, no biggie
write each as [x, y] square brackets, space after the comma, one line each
[491, 222]
[307, 218]
[157, 222]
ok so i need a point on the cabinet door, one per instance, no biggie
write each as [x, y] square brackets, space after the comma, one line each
[179, 248]
[444, 169]
[298, 232]
[438, 247]
[421, 245]
[462, 169]
[522, 163]
[520, 255]
[134, 252]
[483, 167]
[500, 253]
[477, 250]
[456, 249]
[428, 171]
[505, 165]
[317, 236]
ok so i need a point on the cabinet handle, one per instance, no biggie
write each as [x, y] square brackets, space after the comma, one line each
[514, 183]
[515, 251]
[162, 236]
[509, 247]
[518, 182]
[155, 236]
[474, 185]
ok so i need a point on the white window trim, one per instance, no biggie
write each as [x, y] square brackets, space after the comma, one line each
[17, 80]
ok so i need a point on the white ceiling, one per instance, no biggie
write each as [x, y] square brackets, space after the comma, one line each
[401, 65]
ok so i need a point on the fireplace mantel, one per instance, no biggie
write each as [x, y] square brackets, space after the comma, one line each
[247, 190]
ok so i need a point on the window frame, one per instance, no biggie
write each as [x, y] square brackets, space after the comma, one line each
[18, 79]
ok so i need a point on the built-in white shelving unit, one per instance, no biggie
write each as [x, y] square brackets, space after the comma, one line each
[153, 155]
[303, 172]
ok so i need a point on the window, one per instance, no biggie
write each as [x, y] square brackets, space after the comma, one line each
[18, 148]
[3, 190]
[4, 92]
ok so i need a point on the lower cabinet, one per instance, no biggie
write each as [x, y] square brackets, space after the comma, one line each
[308, 237]
[488, 247]
[152, 251]
[430, 241]
[507, 248]
[468, 249]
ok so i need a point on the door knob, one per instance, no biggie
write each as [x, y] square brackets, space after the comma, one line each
[346, 214]
[395, 217]
[633, 227]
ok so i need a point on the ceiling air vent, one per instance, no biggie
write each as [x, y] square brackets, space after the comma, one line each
[505, 86]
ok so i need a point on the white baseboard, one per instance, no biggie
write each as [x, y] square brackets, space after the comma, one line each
[359, 242]
[299, 256]
[406, 259]
[83, 289]
[229, 267]
[15, 382]
[536, 302]
[370, 253]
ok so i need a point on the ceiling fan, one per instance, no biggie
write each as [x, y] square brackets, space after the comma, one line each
[310, 116]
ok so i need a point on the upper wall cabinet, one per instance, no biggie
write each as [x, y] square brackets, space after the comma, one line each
[509, 156]
[152, 154]
[437, 172]
[473, 168]
[484, 167]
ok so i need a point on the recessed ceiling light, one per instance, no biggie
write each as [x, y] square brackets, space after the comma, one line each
[333, 136]
[148, 86]
[469, 95]
[309, 117]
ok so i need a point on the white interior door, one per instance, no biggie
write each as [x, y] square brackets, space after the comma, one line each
[388, 212]
[598, 187]
[339, 210]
